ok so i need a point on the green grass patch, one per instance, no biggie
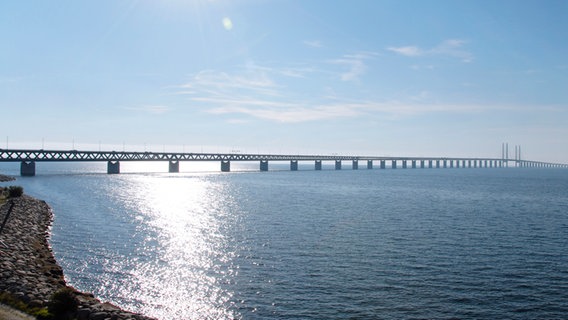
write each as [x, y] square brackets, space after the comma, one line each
[12, 301]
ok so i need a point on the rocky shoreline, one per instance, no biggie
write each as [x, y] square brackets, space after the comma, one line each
[28, 270]
[4, 178]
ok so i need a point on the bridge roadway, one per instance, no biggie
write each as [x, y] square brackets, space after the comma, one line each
[28, 158]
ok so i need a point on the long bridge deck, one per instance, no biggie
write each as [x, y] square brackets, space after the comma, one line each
[28, 158]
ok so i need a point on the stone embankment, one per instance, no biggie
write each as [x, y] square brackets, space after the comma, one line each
[28, 270]
[4, 178]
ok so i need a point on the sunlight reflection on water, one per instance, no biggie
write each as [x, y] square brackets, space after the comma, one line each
[184, 256]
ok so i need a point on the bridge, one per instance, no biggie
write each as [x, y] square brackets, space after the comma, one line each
[28, 159]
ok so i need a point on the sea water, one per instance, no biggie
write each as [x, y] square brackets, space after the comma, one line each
[485, 243]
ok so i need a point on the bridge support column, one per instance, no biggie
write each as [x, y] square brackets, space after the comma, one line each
[457, 164]
[225, 166]
[263, 165]
[437, 164]
[413, 164]
[451, 163]
[113, 167]
[422, 164]
[369, 164]
[27, 168]
[430, 164]
[393, 164]
[404, 164]
[355, 165]
[445, 162]
[383, 164]
[337, 164]
[318, 164]
[174, 166]
[293, 165]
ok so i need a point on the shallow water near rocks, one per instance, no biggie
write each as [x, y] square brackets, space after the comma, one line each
[386, 244]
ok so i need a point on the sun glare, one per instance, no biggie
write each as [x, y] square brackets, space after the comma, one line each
[227, 23]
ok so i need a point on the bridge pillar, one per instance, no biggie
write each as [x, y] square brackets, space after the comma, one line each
[393, 164]
[404, 164]
[337, 164]
[263, 165]
[422, 164]
[318, 164]
[475, 163]
[293, 165]
[174, 166]
[27, 168]
[437, 164]
[457, 164]
[445, 162]
[355, 165]
[113, 167]
[369, 164]
[413, 164]
[430, 164]
[225, 165]
[451, 163]
[383, 164]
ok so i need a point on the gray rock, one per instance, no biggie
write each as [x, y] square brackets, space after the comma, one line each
[98, 316]
[83, 314]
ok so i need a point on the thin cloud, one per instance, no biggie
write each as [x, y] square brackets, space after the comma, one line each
[345, 110]
[355, 64]
[409, 51]
[452, 47]
[219, 82]
[295, 114]
[313, 43]
[157, 109]
[300, 111]
[267, 93]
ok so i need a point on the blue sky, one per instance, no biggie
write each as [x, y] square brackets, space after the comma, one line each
[416, 78]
